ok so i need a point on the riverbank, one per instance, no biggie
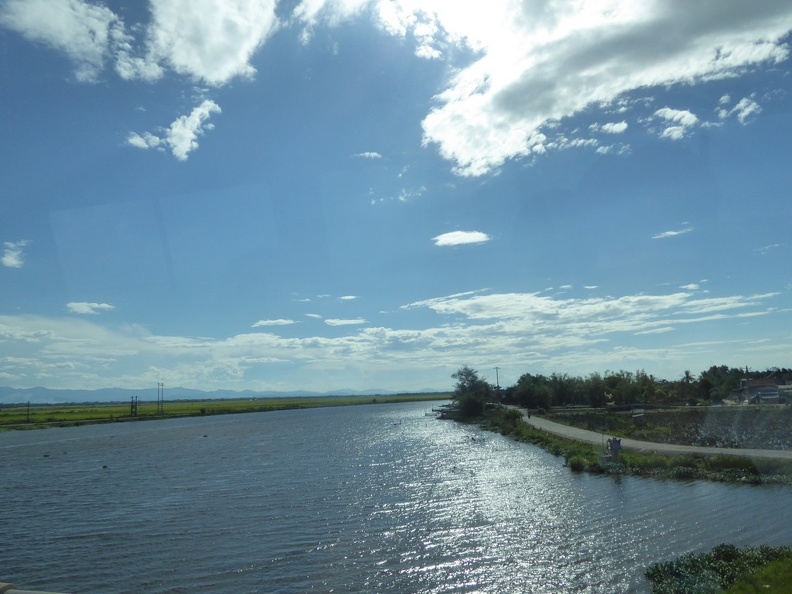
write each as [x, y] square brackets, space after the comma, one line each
[24, 417]
[584, 450]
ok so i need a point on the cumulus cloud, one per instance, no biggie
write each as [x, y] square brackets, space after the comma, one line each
[614, 127]
[82, 307]
[743, 110]
[678, 122]
[211, 41]
[84, 31]
[347, 297]
[278, 322]
[542, 62]
[12, 254]
[460, 238]
[368, 155]
[181, 137]
[526, 66]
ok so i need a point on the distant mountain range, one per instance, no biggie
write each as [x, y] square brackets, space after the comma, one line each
[49, 396]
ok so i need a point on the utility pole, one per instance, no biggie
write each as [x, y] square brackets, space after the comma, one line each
[497, 382]
[160, 397]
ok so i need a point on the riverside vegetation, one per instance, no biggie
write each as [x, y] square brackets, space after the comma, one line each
[25, 416]
[724, 569]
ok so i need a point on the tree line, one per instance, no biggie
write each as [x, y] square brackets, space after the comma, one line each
[472, 392]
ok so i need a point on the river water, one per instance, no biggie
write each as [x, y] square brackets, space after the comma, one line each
[367, 499]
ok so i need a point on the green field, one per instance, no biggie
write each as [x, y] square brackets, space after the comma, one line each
[19, 416]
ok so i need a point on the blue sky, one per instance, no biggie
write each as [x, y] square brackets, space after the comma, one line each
[369, 194]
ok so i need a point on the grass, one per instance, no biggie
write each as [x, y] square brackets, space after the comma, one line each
[760, 427]
[581, 457]
[64, 415]
[773, 578]
[725, 568]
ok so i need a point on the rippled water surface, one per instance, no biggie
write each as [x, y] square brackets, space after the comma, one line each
[373, 499]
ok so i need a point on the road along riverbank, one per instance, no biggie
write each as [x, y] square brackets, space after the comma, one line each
[647, 447]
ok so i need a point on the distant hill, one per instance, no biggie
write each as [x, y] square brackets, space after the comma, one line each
[50, 396]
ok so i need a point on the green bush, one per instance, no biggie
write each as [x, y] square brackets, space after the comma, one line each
[723, 567]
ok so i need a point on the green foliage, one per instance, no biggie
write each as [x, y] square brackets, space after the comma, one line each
[471, 392]
[626, 387]
[509, 422]
[723, 567]
[773, 578]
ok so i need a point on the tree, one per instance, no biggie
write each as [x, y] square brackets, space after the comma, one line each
[471, 392]
[533, 391]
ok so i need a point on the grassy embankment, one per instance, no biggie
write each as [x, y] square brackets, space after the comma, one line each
[65, 415]
[726, 569]
[585, 457]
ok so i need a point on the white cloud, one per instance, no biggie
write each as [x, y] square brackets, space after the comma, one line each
[521, 330]
[82, 307]
[460, 238]
[347, 297]
[278, 322]
[765, 249]
[314, 316]
[541, 62]
[681, 121]
[311, 12]
[745, 108]
[532, 64]
[12, 253]
[611, 127]
[209, 40]
[368, 155]
[351, 322]
[182, 135]
[667, 234]
[83, 31]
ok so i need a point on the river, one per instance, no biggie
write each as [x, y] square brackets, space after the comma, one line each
[364, 499]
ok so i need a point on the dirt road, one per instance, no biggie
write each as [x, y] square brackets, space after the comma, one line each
[647, 446]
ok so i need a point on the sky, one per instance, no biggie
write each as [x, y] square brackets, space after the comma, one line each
[369, 194]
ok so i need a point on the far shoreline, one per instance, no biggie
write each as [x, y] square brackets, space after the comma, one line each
[21, 417]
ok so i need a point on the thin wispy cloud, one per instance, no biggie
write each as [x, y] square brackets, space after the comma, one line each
[347, 298]
[460, 238]
[13, 256]
[88, 308]
[368, 155]
[574, 334]
[766, 249]
[345, 322]
[675, 233]
[277, 322]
